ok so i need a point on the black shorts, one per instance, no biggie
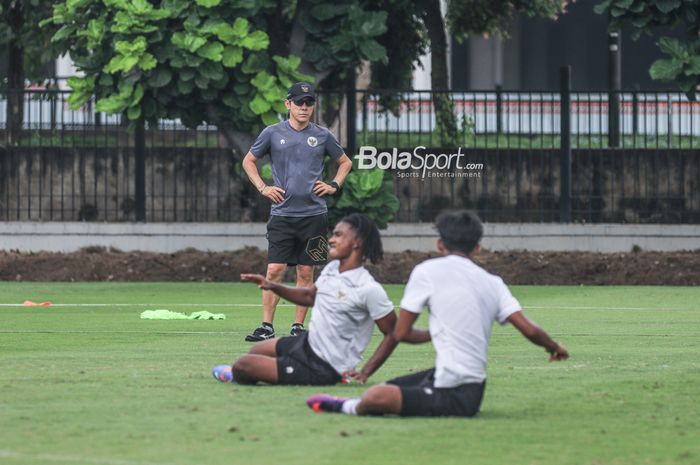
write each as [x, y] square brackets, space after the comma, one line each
[298, 364]
[297, 240]
[420, 397]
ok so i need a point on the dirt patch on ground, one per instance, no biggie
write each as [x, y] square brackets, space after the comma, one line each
[99, 264]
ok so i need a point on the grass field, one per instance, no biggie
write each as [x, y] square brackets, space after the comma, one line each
[87, 382]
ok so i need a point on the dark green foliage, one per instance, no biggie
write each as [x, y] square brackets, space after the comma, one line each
[180, 60]
[406, 37]
[365, 191]
[468, 17]
[683, 62]
[19, 23]
[227, 62]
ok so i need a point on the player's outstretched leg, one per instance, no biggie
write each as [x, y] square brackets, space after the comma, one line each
[259, 364]
[267, 348]
[377, 400]
[251, 368]
[325, 403]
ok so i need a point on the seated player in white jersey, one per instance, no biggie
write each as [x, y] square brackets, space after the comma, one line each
[463, 302]
[347, 303]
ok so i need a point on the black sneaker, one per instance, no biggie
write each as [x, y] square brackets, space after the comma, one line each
[261, 334]
[297, 329]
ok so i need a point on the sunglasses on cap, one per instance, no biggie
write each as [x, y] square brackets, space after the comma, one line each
[308, 101]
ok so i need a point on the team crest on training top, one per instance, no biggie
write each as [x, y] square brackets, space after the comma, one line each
[312, 141]
[282, 141]
[304, 88]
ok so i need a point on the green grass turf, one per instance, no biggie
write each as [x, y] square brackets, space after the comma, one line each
[95, 385]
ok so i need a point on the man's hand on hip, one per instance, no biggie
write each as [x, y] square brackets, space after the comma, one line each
[321, 189]
[274, 193]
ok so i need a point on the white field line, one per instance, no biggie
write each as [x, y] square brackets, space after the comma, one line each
[72, 459]
[257, 305]
[236, 332]
[99, 331]
[147, 305]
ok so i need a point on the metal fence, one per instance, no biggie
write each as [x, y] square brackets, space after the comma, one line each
[49, 121]
[531, 119]
[488, 119]
[634, 156]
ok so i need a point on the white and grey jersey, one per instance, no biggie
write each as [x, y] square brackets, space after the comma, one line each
[296, 158]
[463, 301]
[343, 315]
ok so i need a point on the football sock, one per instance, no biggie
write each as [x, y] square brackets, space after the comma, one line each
[350, 406]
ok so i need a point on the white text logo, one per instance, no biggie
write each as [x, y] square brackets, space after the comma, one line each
[423, 164]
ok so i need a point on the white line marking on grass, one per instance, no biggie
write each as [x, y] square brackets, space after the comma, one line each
[234, 332]
[536, 307]
[78, 331]
[145, 305]
[197, 304]
[72, 459]
[257, 305]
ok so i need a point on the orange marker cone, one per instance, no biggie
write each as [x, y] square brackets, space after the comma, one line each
[29, 303]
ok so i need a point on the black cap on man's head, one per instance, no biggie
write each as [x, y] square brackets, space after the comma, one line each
[301, 90]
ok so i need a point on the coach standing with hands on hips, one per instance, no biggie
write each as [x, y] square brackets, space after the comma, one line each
[296, 231]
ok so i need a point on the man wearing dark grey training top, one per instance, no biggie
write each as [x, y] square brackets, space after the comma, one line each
[296, 231]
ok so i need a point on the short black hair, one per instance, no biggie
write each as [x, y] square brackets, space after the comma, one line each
[368, 234]
[460, 230]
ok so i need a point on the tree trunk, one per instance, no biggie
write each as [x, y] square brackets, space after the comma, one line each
[293, 44]
[442, 102]
[297, 39]
[15, 69]
[239, 141]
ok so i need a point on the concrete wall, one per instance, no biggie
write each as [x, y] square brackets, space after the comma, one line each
[171, 237]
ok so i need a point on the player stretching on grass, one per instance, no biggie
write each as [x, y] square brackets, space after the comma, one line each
[346, 301]
[463, 302]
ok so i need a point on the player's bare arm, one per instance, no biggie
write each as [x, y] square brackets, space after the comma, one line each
[538, 336]
[305, 296]
[405, 332]
[344, 166]
[274, 193]
[386, 325]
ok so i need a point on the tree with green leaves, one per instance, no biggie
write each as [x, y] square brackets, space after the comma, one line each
[645, 16]
[27, 50]
[229, 62]
[226, 62]
[418, 26]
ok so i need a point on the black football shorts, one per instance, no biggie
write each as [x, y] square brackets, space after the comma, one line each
[420, 397]
[298, 364]
[297, 240]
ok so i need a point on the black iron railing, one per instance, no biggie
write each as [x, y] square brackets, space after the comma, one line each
[599, 156]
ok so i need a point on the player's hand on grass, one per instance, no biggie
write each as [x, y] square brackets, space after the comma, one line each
[559, 353]
[257, 279]
[274, 193]
[356, 375]
[321, 189]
